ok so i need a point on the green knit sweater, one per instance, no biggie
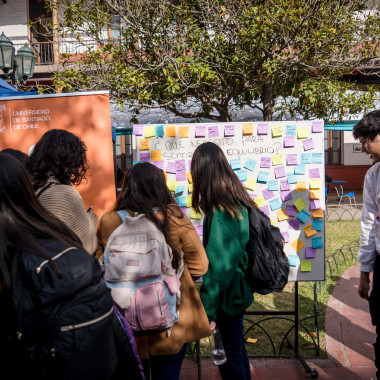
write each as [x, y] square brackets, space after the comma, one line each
[224, 292]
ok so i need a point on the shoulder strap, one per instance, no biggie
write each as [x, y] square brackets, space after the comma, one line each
[124, 214]
[48, 186]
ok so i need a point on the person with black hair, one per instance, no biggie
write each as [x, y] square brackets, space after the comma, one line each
[367, 131]
[57, 164]
[21, 156]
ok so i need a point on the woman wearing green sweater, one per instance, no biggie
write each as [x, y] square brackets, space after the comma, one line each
[225, 294]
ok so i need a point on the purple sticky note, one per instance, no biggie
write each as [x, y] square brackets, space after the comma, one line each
[189, 163]
[213, 131]
[267, 194]
[308, 144]
[159, 164]
[284, 185]
[265, 209]
[286, 195]
[294, 224]
[285, 235]
[253, 196]
[310, 252]
[288, 141]
[315, 204]
[229, 130]
[180, 165]
[291, 210]
[279, 172]
[200, 131]
[138, 129]
[183, 209]
[291, 159]
[265, 162]
[170, 168]
[181, 176]
[145, 157]
[199, 229]
[262, 129]
[317, 126]
[314, 173]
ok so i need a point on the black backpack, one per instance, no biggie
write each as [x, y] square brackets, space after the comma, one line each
[268, 266]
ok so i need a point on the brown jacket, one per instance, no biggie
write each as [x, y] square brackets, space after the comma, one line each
[193, 323]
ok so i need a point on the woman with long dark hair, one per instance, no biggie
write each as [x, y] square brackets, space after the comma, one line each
[145, 191]
[225, 294]
[57, 164]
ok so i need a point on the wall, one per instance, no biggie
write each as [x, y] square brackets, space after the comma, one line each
[354, 175]
[349, 157]
[14, 19]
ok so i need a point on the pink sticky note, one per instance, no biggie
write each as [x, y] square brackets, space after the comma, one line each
[145, 157]
[262, 129]
[286, 195]
[170, 168]
[308, 144]
[199, 229]
[265, 162]
[213, 131]
[294, 224]
[189, 163]
[314, 173]
[200, 131]
[265, 209]
[317, 126]
[267, 194]
[284, 185]
[279, 172]
[138, 129]
[291, 159]
[159, 164]
[310, 252]
[291, 210]
[229, 130]
[181, 175]
[180, 165]
[288, 141]
[315, 204]
[285, 235]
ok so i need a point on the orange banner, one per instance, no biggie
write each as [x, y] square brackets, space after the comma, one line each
[24, 121]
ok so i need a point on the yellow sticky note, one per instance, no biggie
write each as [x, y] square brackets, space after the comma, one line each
[281, 215]
[183, 131]
[302, 133]
[149, 131]
[317, 213]
[273, 222]
[247, 129]
[300, 204]
[315, 194]
[277, 131]
[251, 340]
[170, 131]
[172, 185]
[190, 188]
[250, 184]
[195, 215]
[260, 201]
[277, 160]
[156, 155]
[297, 245]
[301, 186]
[144, 144]
[314, 183]
[305, 266]
[189, 177]
[189, 200]
[309, 231]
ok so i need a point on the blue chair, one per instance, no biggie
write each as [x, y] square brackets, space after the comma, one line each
[341, 195]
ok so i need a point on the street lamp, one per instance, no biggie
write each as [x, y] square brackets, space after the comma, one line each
[21, 64]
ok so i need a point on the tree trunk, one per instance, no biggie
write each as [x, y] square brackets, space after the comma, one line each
[267, 98]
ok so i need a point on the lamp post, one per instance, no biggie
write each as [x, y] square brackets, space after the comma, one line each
[17, 67]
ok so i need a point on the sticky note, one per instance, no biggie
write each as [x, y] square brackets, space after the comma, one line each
[308, 144]
[293, 260]
[170, 131]
[314, 183]
[317, 242]
[180, 165]
[300, 204]
[189, 200]
[273, 222]
[260, 201]
[262, 129]
[149, 131]
[310, 253]
[302, 133]
[229, 130]
[181, 201]
[268, 194]
[288, 141]
[317, 213]
[166, 175]
[145, 157]
[299, 169]
[309, 231]
[291, 178]
[247, 129]
[213, 131]
[179, 190]
[262, 177]
[281, 215]
[199, 230]
[170, 168]
[291, 159]
[277, 131]
[181, 175]
[305, 158]
[138, 129]
[279, 172]
[277, 159]
[144, 144]
[159, 129]
[189, 177]
[315, 194]
[291, 210]
[242, 175]
[183, 132]
[300, 186]
[250, 184]
[285, 235]
[273, 185]
[284, 185]
[195, 215]
[235, 164]
[314, 173]
[190, 188]
[286, 195]
[183, 209]
[290, 130]
[297, 245]
[159, 164]
[315, 204]
[274, 204]
[200, 131]
[172, 185]
[317, 126]
[305, 266]
[156, 155]
[265, 162]
[265, 210]
[316, 158]
[317, 225]
[250, 164]
[303, 216]
[294, 224]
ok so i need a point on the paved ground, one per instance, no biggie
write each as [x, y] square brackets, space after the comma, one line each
[349, 339]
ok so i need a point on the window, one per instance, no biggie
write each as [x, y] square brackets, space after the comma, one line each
[333, 140]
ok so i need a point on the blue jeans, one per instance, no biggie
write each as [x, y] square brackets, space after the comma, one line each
[164, 367]
[237, 364]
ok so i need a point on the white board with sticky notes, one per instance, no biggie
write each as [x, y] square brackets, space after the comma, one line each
[281, 165]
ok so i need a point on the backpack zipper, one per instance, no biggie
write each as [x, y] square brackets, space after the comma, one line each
[84, 324]
[38, 269]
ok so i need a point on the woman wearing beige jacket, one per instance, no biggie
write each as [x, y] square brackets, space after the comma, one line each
[143, 191]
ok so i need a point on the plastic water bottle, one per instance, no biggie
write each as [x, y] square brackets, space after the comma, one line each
[217, 348]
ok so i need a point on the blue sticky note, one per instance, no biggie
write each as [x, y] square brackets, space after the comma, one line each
[136, 162]
[159, 130]
[290, 130]
[316, 158]
[273, 185]
[303, 216]
[317, 242]
[181, 201]
[250, 164]
[262, 177]
[275, 204]
[179, 190]
[299, 169]
[235, 164]
[305, 158]
[291, 178]
[242, 175]
[317, 225]
[293, 260]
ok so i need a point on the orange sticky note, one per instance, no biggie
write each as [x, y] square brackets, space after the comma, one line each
[317, 213]
[300, 186]
[170, 131]
[156, 155]
[247, 129]
[144, 144]
[297, 245]
[183, 132]
[309, 231]
[189, 177]
[281, 215]
[166, 176]
[315, 194]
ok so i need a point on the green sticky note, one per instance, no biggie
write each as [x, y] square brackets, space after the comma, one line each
[300, 204]
[305, 266]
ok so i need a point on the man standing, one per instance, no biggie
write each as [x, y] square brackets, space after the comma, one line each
[368, 133]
